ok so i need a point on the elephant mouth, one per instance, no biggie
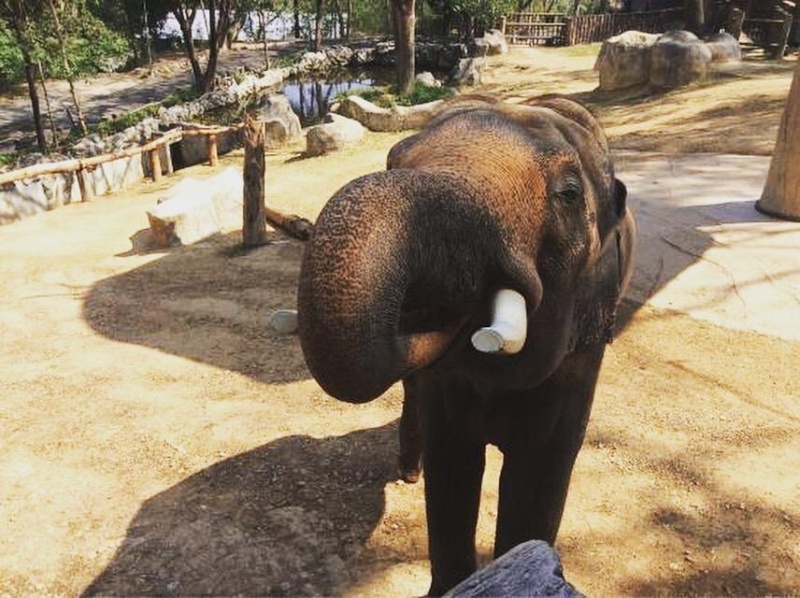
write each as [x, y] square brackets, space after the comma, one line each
[433, 330]
[415, 319]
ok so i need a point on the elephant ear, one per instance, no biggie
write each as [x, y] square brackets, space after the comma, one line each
[620, 197]
[608, 281]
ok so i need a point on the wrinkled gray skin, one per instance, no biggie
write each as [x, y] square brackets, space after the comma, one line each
[401, 269]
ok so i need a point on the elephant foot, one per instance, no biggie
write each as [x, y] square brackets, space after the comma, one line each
[409, 472]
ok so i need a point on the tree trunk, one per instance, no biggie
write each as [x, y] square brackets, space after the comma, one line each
[50, 119]
[404, 22]
[781, 195]
[62, 47]
[296, 10]
[262, 15]
[319, 30]
[33, 93]
[254, 227]
[185, 20]
[695, 16]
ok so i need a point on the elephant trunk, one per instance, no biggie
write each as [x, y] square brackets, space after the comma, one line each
[356, 287]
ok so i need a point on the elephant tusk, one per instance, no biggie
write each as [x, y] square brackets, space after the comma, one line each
[509, 325]
[284, 321]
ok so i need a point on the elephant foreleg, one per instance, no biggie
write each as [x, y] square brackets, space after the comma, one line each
[453, 473]
[537, 468]
[410, 459]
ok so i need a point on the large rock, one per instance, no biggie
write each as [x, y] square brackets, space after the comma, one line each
[624, 60]
[724, 48]
[196, 209]
[281, 124]
[678, 58]
[193, 149]
[335, 133]
[377, 118]
[492, 43]
[530, 569]
[426, 78]
[469, 71]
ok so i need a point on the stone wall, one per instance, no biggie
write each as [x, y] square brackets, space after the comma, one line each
[25, 198]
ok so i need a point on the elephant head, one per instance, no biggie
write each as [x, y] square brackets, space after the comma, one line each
[404, 265]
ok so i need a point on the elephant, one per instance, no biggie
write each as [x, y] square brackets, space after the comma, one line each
[491, 207]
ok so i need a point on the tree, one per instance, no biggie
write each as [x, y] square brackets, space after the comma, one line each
[319, 30]
[18, 14]
[220, 21]
[404, 43]
[781, 195]
[57, 11]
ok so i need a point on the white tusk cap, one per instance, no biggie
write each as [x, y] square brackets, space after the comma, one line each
[509, 325]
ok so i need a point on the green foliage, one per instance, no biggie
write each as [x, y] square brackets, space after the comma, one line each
[129, 119]
[91, 47]
[470, 17]
[387, 97]
[421, 94]
[371, 17]
[9, 158]
[11, 63]
[180, 96]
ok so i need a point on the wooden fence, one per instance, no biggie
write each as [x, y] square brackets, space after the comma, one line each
[83, 166]
[553, 29]
[770, 34]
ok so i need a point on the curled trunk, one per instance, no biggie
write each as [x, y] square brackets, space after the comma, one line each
[378, 297]
[361, 328]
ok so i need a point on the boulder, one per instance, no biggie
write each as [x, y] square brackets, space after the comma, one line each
[492, 43]
[427, 79]
[196, 209]
[281, 124]
[724, 48]
[624, 60]
[678, 58]
[193, 149]
[377, 118]
[530, 569]
[334, 134]
[468, 71]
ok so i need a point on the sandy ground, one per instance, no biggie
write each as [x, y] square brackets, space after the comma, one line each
[159, 439]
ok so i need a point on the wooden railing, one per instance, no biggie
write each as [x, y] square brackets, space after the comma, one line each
[83, 166]
[588, 29]
[556, 29]
[535, 29]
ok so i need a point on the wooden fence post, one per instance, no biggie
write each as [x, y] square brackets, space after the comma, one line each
[213, 155]
[85, 185]
[254, 227]
[155, 164]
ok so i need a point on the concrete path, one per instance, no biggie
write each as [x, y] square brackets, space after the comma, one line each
[703, 248]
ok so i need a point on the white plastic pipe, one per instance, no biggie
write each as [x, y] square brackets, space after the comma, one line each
[284, 321]
[509, 325]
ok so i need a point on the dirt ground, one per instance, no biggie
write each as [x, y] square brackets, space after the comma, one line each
[158, 438]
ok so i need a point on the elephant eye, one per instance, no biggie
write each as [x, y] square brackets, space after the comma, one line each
[570, 189]
[570, 194]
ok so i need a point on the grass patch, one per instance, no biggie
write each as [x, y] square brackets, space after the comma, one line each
[387, 96]
[128, 119]
[180, 96]
[9, 158]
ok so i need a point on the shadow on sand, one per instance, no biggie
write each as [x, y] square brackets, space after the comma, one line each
[280, 520]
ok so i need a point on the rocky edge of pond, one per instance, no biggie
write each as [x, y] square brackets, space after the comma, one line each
[462, 62]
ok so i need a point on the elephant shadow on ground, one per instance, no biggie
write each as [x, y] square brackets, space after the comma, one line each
[209, 302]
[282, 519]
